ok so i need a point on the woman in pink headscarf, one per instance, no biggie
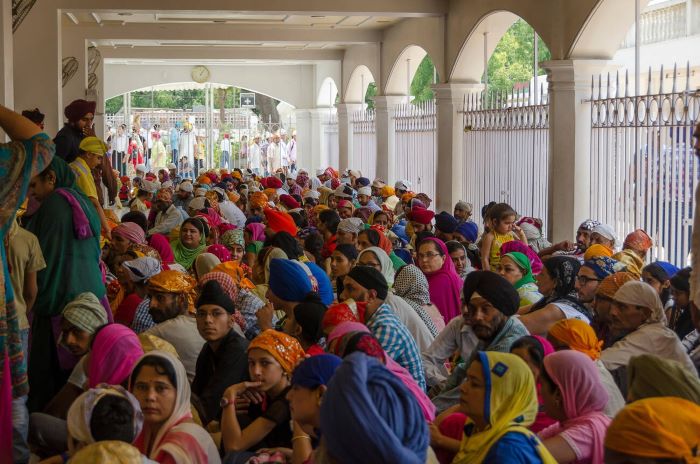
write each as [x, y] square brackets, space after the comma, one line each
[444, 283]
[337, 345]
[574, 395]
[114, 353]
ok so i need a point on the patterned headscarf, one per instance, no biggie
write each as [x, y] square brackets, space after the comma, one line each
[220, 251]
[175, 282]
[85, 312]
[231, 238]
[602, 266]
[638, 240]
[611, 284]
[589, 224]
[285, 349]
[227, 285]
[130, 231]
[165, 194]
[563, 270]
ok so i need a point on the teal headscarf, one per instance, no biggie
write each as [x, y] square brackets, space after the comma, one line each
[523, 263]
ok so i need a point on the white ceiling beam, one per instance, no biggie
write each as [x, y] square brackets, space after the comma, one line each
[222, 32]
[218, 53]
[391, 8]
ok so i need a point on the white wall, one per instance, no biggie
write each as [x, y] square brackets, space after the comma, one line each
[290, 83]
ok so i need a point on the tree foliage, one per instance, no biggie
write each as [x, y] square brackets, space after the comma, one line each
[512, 60]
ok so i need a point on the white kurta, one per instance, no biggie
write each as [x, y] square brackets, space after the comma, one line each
[187, 146]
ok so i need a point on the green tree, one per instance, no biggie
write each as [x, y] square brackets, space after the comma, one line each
[423, 80]
[511, 62]
[369, 95]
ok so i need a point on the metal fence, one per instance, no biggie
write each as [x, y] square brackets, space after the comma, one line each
[506, 139]
[416, 145]
[364, 143]
[330, 156]
[643, 172]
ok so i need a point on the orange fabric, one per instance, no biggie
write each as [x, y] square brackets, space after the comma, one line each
[280, 221]
[175, 282]
[638, 240]
[408, 196]
[258, 200]
[285, 349]
[203, 180]
[577, 335]
[597, 250]
[612, 283]
[236, 272]
[388, 191]
[658, 428]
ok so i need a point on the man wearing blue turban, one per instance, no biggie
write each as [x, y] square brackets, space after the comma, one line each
[292, 282]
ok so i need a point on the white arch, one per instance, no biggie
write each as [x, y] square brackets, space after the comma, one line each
[360, 79]
[327, 93]
[403, 70]
[469, 65]
[282, 82]
[604, 29]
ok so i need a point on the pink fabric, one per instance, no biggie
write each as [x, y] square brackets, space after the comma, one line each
[395, 368]
[517, 245]
[81, 225]
[130, 231]
[185, 441]
[160, 243]
[257, 231]
[221, 252]
[584, 397]
[115, 351]
[6, 409]
[546, 346]
[542, 420]
[212, 217]
[451, 426]
[445, 285]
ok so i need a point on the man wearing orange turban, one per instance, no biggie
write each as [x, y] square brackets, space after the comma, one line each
[603, 303]
[280, 221]
[172, 307]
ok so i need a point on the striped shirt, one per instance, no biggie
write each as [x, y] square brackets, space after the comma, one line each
[397, 341]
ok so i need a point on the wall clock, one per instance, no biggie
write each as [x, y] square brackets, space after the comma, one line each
[200, 74]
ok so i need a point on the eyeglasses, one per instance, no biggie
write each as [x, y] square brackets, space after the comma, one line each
[213, 314]
[427, 255]
[583, 280]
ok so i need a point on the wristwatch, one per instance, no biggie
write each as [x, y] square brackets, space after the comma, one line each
[224, 402]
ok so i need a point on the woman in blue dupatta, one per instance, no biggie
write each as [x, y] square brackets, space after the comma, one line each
[28, 153]
[68, 229]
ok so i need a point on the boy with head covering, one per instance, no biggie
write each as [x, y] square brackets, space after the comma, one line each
[223, 360]
[292, 282]
[445, 226]
[91, 152]
[168, 217]
[367, 285]
[172, 306]
[637, 310]
[80, 319]
[486, 324]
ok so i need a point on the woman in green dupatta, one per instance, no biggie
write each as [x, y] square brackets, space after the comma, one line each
[68, 229]
[517, 270]
[29, 153]
[191, 243]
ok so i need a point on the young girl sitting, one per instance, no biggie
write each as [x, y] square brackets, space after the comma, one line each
[260, 404]
[501, 228]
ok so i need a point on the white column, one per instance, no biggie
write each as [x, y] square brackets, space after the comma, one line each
[345, 111]
[37, 64]
[309, 127]
[450, 132]
[569, 144]
[98, 95]
[74, 46]
[6, 79]
[385, 110]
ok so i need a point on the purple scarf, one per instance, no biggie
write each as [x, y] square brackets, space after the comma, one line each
[81, 226]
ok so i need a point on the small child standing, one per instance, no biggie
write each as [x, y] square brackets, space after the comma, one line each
[499, 222]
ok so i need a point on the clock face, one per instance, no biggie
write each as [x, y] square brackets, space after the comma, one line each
[200, 74]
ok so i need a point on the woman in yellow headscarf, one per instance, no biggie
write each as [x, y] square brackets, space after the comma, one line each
[500, 398]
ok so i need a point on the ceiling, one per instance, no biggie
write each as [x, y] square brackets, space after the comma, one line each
[289, 45]
[282, 20]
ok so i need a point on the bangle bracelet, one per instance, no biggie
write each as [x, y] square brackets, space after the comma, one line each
[300, 436]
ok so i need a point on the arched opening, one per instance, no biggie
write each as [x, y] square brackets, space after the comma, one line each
[359, 85]
[404, 70]
[327, 94]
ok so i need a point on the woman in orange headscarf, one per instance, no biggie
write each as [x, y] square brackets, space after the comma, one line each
[577, 335]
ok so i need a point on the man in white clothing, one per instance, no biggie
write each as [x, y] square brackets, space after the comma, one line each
[255, 155]
[119, 148]
[274, 154]
[188, 144]
[225, 146]
[292, 152]
[229, 210]
[168, 217]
